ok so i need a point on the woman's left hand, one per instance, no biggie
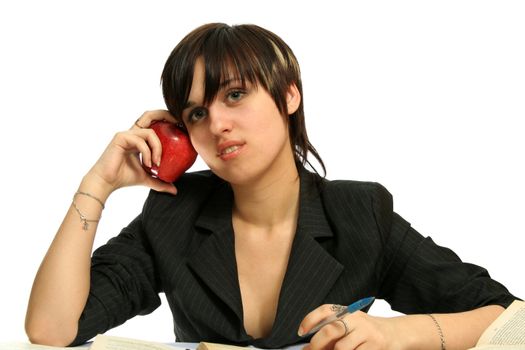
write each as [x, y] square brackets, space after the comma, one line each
[354, 331]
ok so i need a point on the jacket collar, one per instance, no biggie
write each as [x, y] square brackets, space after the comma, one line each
[311, 271]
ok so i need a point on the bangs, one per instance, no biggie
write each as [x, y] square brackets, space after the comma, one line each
[224, 61]
[245, 53]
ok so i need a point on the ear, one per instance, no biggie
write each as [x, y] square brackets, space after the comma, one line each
[293, 99]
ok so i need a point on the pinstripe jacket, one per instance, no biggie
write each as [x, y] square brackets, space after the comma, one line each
[349, 244]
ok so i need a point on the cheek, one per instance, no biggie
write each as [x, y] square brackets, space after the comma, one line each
[274, 125]
[265, 118]
[200, 142]
[195, 140]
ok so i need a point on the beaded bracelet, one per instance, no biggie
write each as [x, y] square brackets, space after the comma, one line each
[83, 218]
[441, 337]
[90, 196]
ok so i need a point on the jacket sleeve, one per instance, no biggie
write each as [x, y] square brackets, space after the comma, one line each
[123, 283]
[418, 276]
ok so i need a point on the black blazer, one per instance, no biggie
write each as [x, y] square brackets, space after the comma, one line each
[349, 244]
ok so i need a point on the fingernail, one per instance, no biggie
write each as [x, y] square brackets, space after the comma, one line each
[300, 332]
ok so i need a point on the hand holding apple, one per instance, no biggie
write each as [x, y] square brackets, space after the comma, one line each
[178, 154]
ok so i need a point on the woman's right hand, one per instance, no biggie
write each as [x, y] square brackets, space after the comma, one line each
[120, 164]
[62, 283]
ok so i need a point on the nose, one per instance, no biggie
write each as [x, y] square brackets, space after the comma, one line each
[220, 121]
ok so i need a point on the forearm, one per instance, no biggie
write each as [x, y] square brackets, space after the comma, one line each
[460, 330]
[61, 286]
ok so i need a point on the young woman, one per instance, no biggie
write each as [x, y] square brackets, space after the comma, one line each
[257, 250]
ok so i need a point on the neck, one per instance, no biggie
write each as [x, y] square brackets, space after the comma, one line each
[271, 201]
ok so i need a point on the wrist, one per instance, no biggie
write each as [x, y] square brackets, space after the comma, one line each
[95, 186]
[417, 332]
[403, 336]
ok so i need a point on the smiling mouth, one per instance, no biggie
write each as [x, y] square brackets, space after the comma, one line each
[229, 150]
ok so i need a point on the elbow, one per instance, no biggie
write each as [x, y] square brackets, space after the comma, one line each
[50, 333]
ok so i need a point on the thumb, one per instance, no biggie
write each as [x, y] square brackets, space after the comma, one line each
[161, 186]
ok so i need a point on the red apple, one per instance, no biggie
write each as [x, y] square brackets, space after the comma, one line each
[178, 154]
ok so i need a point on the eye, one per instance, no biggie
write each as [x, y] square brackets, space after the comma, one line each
[235, 95]
[197, 114]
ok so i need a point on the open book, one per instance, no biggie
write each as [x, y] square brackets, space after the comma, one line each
[507, 331]
[106, 342]
[103, 342]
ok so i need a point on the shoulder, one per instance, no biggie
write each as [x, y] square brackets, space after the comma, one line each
[351, 191]
[363, 201]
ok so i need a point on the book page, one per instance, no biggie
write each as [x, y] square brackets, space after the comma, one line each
[104, 342]
[500, 347]
[507, 329]
[29, 346]
[217, 346]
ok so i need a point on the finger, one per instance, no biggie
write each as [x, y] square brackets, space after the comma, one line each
[144, 151]
[314, 317]
[326, 337]
[148, 117]
[136, 125]
[161, 186]
[354, 340]
[130, 142]
[154, 143]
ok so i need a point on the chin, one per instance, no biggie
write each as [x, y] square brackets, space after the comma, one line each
[232, 177]
[244, 171]
[235, 175]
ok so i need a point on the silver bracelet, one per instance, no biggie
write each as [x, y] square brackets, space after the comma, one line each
[90, 196]
[83, 218]
[441, 337]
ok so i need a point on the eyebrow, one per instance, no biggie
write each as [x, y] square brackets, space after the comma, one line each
[189, 104]
[221, 86]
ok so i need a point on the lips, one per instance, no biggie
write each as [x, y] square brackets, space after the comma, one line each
[229, 149]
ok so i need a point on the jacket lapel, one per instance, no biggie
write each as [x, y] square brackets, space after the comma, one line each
[311, 272]
[214, 262]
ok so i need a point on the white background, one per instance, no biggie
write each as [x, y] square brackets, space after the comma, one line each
[425, 97]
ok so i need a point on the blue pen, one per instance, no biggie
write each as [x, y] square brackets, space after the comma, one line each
[358, 305]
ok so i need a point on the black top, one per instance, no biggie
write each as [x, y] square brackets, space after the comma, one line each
[349, 244]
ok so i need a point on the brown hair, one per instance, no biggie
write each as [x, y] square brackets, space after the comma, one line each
[255, 55]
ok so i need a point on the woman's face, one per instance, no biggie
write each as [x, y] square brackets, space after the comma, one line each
[240, 135]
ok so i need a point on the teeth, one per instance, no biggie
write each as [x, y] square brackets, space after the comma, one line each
[230, 149]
